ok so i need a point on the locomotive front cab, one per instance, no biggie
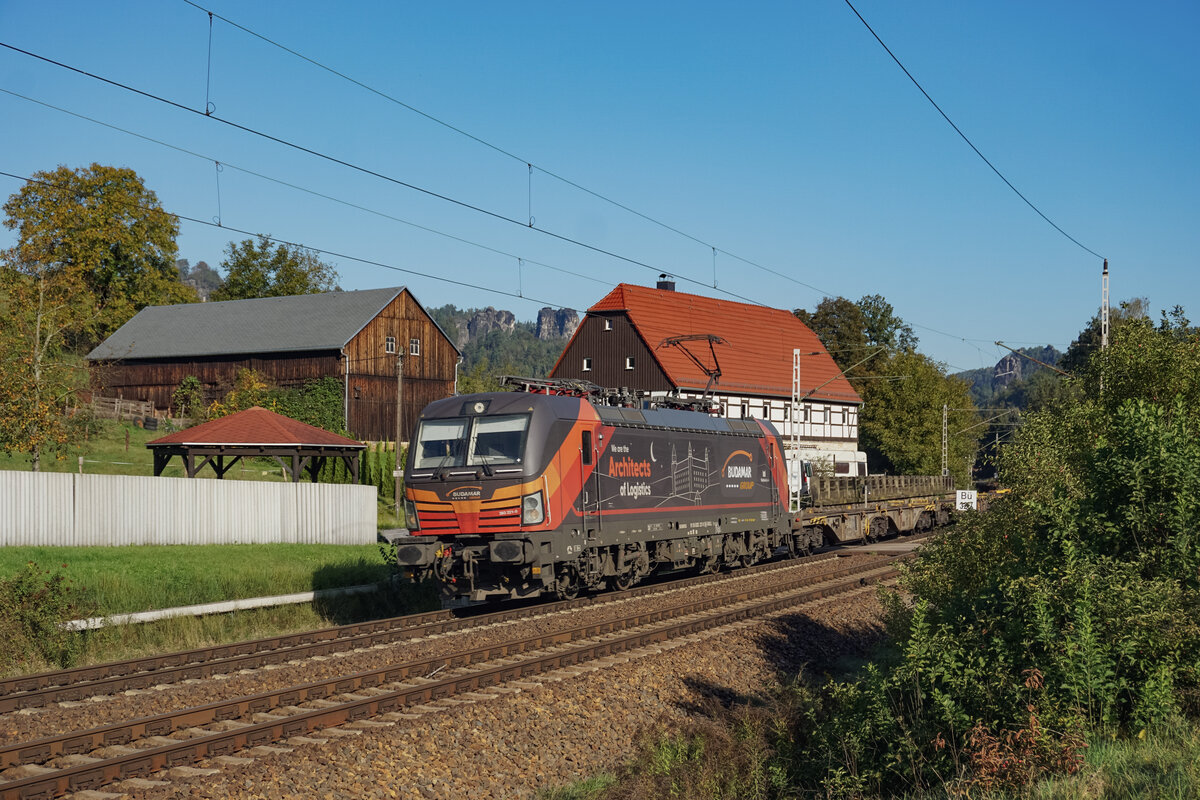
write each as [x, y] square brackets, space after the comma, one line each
[469, 471]
[483, 490]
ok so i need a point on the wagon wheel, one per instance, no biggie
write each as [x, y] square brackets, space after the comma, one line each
[877, 529]
[622, 581]
[708, 566]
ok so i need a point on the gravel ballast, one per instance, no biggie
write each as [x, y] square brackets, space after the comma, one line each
[534, 735]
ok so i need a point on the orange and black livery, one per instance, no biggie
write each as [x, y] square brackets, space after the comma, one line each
[565, 487]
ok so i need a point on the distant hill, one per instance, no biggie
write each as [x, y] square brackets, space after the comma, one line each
[1006, 382]
[494, 342]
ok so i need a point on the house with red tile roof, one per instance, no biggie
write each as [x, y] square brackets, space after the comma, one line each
[749, 358]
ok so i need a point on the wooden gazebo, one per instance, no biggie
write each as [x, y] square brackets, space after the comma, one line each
[255, 433]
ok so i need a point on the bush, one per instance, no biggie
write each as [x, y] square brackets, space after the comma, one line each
[34, 604]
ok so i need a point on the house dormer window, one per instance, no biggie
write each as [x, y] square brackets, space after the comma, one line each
[587, 365]
[608, 324]
[628, 362]
[389, 344]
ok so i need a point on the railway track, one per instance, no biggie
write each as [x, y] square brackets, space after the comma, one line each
[70, 762]
[43, 689]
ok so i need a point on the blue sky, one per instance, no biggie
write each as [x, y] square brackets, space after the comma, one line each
[781, 133]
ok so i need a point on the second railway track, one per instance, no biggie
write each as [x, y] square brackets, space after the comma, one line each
[79, 760]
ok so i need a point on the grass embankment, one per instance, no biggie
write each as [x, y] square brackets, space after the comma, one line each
[75, 582]
[118, 580]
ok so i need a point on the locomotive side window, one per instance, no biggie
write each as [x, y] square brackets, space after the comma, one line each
[586, 447]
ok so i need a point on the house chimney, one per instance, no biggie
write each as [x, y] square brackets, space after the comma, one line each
[665, 284]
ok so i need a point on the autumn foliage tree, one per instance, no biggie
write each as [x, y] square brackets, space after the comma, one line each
[39, 380]
[101, 231]
[93, 246]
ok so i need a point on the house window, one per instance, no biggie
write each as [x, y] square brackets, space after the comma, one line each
[587, 365]
[414, 347]
[628, 362]
[608, 324]
[389, 344]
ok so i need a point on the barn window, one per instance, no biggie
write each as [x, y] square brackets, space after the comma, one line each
[587, 365]
[389, 344]
[414, 347]
[628, 362]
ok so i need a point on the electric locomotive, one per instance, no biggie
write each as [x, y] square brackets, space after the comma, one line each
[566, 487]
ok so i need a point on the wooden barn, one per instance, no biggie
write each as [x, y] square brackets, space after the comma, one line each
[356, 337]
[662, 341]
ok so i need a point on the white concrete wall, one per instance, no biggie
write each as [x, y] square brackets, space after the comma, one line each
[56, 509]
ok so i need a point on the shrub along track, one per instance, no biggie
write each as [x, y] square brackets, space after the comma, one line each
[77, 760]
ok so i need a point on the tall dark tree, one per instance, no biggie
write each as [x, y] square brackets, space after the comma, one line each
[1088, 340]
[263, 269]
[883, 327]
[841, 327]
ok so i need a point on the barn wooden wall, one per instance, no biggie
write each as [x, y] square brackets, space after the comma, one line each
[427, 377]
[155, 380]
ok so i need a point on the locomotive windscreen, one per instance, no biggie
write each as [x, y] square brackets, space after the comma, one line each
[470, 441]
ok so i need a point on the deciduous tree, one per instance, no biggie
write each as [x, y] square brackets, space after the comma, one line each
[261, 269]
[900, 426]
[106, 232]
[39, 380]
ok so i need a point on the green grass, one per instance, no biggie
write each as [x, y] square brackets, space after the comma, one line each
[1160, 765]
[116, 580]
[119, 448]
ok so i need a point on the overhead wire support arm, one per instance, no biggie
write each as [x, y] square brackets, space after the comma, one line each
[1031, 358]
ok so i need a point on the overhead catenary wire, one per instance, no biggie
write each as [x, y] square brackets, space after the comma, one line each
[296, 187]
[368, 171]
[502, 151]
[208, 112]
[320, 250]
[964, 137]
[531, 166]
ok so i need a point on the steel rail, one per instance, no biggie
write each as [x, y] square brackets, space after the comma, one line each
[144, 761]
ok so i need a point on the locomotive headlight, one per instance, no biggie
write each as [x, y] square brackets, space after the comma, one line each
[532, 510]
[410, 515]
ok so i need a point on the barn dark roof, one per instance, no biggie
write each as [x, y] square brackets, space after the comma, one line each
[264, 325]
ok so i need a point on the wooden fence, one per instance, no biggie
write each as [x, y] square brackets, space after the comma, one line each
[48, 509]
[119, 408]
